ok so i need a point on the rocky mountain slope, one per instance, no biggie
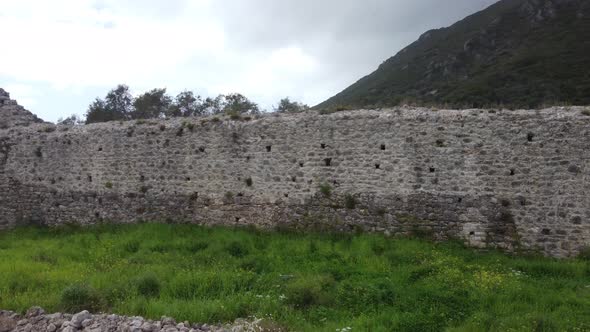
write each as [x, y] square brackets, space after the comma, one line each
[520, 53]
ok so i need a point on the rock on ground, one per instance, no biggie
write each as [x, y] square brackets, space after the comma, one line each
[37, 320]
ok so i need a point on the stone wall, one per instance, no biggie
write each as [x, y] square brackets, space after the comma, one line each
[509, 179]
[12, 114]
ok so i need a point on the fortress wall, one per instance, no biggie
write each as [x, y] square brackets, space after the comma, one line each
[512, 179]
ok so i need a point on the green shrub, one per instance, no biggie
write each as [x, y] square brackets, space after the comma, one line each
[80, 297]
[132, 246]
[108, 185]
[326, 189]
[584, 254]
[148, 285]
[237, 249]
[44, 257]
[305, 293]
[350, 202]
[197, 246]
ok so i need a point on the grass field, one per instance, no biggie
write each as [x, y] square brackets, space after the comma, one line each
[304, 282]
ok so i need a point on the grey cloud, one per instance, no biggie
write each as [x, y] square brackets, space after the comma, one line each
[349, 38]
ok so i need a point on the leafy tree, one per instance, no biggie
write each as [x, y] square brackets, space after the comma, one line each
[152, 104]
[236, 103]
[214, 105]
[97, 112]
[288, 106]
[119, 101]
[186, 104]
[117, 105]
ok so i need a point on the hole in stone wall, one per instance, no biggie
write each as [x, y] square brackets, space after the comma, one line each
[471, 233]
[268, 148]
[328, 161]
[97, 215]
[294, 178]
[530, 137]
[237, 219]
[323, 146]
[382, 146]
[432, 169]
[460, 199]
[89, 178]
[202, 149]
[301, 164]
[546, 231]
[512, 172]
[377, 166]
[188, 179]
[286, 195]
[141, 178]
[99, 149]
[240, 195]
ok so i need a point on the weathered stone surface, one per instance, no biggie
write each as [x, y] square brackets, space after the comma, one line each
[11, 114]
[508, 179]
[101, 323]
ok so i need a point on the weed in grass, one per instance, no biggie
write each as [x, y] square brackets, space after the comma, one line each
[44, 257]
[237, 249]
[304, 293]
[132, 246]
[79, 297]
[148, 285]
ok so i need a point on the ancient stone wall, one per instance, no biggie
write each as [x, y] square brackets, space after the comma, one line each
[12, 114]
[509, 179]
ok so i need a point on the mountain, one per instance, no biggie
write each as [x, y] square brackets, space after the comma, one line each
[519, 53]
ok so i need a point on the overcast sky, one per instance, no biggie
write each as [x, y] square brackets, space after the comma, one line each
[57, 56]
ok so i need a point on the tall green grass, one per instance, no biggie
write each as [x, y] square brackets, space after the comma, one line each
[305, 282]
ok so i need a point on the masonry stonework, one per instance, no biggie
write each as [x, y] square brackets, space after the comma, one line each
[508, 179]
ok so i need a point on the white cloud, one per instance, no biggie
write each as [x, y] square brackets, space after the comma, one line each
[265, 49]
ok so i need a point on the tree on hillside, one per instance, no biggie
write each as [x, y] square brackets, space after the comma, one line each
[213, 105]
[117, 105]
[152, 104]
[97, 112]
[119, 101]
[236, 103]
[288, 106]
[186, 104]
